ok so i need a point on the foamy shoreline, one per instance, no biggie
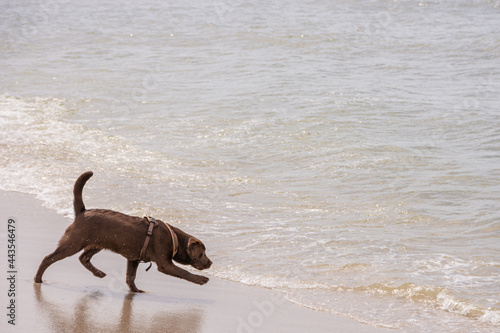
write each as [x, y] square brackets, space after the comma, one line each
[72, 299]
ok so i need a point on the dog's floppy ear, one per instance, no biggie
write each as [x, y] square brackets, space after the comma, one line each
[195, 248]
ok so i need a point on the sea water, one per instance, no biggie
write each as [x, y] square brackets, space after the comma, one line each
[343, 153]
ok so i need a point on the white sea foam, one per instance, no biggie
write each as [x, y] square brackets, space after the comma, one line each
[46, 152]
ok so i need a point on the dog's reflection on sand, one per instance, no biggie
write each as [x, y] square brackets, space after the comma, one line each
[81, 315]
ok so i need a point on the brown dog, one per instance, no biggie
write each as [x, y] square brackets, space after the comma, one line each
[97, 229]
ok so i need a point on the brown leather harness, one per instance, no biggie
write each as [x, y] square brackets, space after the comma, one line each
[153, 223]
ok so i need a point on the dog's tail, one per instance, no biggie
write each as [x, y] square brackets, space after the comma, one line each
[77, 192]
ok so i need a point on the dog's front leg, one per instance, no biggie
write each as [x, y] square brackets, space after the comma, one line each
[173, 270]
[131, 271]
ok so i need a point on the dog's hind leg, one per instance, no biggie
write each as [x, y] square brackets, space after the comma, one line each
[62, 251]
[131, 270]
[85, 260]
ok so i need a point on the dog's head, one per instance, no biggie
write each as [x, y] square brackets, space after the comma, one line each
[196, 253]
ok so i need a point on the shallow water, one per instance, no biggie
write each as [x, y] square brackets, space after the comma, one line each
[344, 153]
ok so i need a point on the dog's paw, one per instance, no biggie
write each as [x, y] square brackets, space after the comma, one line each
[99, 274]
[201, 280]
[137, 291]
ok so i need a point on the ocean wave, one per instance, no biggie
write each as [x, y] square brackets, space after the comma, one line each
[44, 153]
[436, 296]
[297, 289]
[468, 309]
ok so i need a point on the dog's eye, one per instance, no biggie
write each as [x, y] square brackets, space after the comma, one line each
[197, 258]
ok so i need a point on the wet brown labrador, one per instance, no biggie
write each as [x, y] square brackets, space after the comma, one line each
[97, 229]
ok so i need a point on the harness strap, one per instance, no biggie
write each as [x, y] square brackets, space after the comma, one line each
[175, 241]
[152, 224]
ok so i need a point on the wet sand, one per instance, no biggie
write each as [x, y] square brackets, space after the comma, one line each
[72, 300]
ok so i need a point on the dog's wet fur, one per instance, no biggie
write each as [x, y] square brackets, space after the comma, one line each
[97, 229]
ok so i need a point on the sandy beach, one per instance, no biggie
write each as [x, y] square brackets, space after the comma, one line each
[73, 300]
